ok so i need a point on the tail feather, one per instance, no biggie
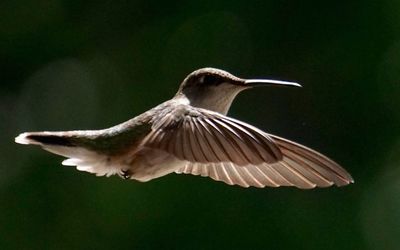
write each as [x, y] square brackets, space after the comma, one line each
[51, 140]
[54, 142]
[66, 144]
[45, 138]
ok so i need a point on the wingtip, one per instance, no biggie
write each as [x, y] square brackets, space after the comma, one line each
[348, 181]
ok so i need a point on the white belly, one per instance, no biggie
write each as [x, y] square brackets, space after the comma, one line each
[149, 164]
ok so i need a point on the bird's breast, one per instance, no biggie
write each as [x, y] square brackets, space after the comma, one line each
[148, 164]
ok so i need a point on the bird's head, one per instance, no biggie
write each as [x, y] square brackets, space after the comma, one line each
[215, 89]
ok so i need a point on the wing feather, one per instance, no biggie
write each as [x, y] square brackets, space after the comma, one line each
[231, 151]
[199, 135]
[309, 160]
[228, 144]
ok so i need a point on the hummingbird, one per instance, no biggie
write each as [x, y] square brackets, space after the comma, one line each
[192, 134]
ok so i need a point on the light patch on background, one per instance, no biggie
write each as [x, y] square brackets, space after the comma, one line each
[60, 96]
[116, 93]
[389, 79]
[12, 162]
[380, 208]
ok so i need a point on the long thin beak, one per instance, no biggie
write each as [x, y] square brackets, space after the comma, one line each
[267, 82]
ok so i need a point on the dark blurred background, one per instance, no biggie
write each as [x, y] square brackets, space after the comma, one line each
[79, 65]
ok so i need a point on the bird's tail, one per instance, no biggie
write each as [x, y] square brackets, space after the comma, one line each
[66, 144]
[70, 144]
[46, 139]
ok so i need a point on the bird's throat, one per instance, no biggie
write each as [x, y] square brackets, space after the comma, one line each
[217, 102]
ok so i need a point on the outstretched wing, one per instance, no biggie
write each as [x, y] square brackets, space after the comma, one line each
[237, 153]
[300, 167]
[203, 136]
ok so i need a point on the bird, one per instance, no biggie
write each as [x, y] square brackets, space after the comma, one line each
[192, 134]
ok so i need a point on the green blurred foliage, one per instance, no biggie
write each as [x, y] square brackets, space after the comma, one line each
[81, 65]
